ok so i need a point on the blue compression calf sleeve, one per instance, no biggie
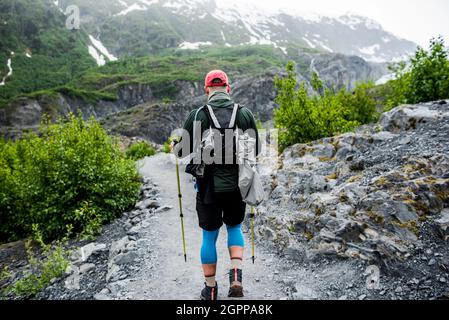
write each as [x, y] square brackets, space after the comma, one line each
[209, 247]
[235, 236]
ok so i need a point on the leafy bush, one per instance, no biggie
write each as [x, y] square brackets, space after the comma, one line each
[42, 271]
[140, 150]
[360, 102]
[303, 118]
[425, 78]
[70, 177]
[399, 87]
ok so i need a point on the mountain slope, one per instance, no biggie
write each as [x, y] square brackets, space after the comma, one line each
[140, 27]
[174, 83]
[41, 51]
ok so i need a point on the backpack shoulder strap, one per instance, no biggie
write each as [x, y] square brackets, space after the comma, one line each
[213, 117]
[195, 145]
[234, 115]
[198, 112]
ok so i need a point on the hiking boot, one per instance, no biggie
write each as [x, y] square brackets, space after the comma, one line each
[235, 279]
[209, 293]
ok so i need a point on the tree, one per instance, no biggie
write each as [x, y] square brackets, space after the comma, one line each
[425, 78]
[429, 76]
[361, 104]
[301, 118]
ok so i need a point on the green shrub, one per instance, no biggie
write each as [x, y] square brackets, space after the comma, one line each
[140, 150]
[166, 148]
[399, 87]
[42, 271]
[425, 78]
[302, 119]
[360, 102]
[72, 176]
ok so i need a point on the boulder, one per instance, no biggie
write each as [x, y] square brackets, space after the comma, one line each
[350, 231]
[353, 193]
[404, 213]
[163, 209]
[323, 151]
[119, 246]
[125, 258]
[113, 273]
[384, 136]
[442, 224]
[83, 254]
[73, 281]
[344, 152]
[85, 268]
[148, 204]
[408, 117]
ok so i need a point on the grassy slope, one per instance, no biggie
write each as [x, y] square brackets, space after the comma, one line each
[60, 61]
[162, 70]
[37, 27]
[159, 71]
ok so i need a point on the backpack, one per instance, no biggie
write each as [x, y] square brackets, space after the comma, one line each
[225, 151]
[207, 141]
[233, 152]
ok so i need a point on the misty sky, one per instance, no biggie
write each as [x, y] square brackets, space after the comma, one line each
[416, 20]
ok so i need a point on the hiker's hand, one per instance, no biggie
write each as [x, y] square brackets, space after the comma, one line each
[173, 145]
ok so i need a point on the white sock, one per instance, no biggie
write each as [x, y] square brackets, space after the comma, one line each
[236, 263]
[210, 282]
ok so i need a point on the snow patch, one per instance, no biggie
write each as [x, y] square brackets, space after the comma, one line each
[133, 7]
[354, 20]
[223, 36]
[149, 3]
[323, 46]
[193, 45]
[102, 49]
[9, 65]
[371, 50]
[326, 47]
[184, 7]
[309, 43]
[99, 58]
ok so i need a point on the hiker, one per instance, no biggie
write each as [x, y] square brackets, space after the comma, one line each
[219, 200]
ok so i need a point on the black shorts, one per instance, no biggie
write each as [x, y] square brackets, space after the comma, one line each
[228, 208]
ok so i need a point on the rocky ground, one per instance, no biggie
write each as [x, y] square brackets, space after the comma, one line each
[379, 196]
[363, 215]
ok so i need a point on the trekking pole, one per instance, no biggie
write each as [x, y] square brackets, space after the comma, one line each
[253, 249]
[180, 209]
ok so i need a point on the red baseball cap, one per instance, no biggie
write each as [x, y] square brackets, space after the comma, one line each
[216, 78]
